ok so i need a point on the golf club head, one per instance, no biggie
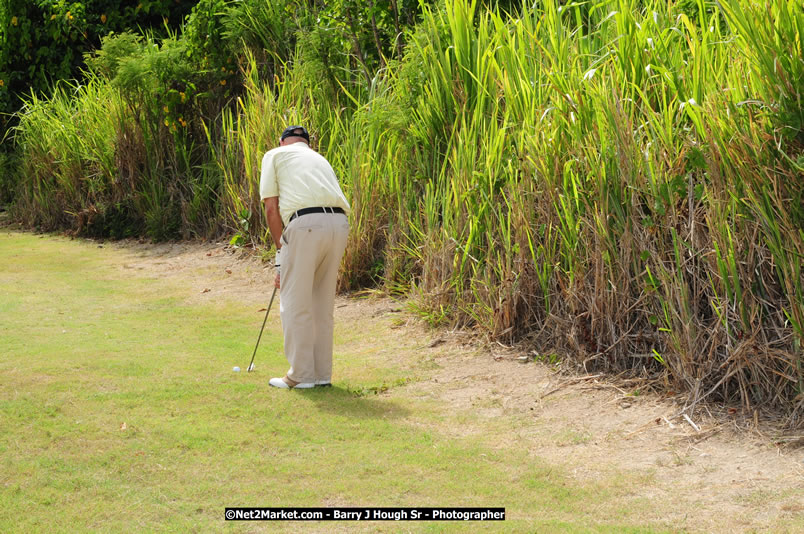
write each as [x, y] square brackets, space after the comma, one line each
[250, 368]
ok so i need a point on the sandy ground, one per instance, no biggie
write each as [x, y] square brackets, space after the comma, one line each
[711, 473]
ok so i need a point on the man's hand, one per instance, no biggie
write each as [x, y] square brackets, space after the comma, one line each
[276, 282]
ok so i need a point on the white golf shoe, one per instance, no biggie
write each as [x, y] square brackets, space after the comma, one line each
[281, 384]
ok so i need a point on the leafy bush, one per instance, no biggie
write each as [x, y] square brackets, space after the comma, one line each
[208, 49]
[44, 41]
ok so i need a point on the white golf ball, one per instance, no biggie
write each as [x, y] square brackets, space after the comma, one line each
[235, 369]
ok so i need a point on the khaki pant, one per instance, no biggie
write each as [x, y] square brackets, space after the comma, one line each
[312, 248]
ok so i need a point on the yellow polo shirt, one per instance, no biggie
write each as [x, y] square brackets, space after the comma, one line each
[301, 178]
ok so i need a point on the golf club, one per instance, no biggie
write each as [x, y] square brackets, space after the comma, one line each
[251, 365]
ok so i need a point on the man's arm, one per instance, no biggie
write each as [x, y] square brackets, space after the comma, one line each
[274, 220]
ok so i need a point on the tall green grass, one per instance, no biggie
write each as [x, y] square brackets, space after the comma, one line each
[618, 180]
[69, 155]
[116, 156]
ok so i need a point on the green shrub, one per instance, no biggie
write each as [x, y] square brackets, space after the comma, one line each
[44, 41]
[209, 51]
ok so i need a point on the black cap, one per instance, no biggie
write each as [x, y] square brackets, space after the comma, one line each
[292, 131]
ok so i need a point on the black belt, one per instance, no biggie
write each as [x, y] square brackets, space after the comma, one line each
[307, 211]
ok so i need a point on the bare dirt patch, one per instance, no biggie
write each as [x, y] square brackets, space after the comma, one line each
[214, 270]
[711, 473]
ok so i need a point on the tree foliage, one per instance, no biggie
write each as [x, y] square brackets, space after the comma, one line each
[43, 41]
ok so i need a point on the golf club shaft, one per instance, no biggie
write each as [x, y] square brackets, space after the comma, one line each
[248, 370]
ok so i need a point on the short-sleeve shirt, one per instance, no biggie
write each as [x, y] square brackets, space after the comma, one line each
[301, 178]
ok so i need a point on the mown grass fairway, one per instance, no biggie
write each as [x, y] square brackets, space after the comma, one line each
[120, 412]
